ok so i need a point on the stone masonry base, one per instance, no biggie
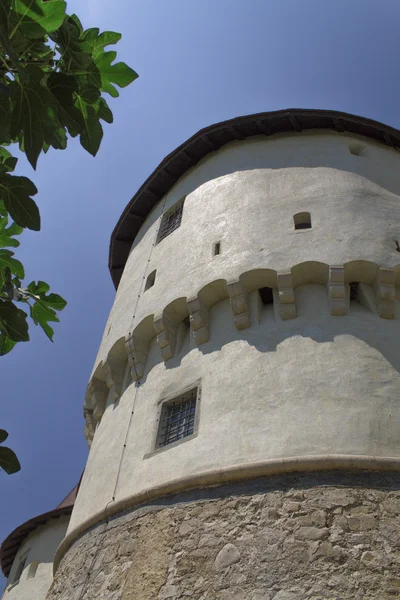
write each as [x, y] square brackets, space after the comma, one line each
[332, 535]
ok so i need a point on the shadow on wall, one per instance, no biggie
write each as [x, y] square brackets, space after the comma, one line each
[265, 309]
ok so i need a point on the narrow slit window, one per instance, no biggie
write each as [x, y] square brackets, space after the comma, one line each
[20, 568]
[177, 418]
[266, 295]
[171, 220]
[357, 149]
[217, 248]
[353, 290]
[32, 569]
[150, 280]
[302, 220]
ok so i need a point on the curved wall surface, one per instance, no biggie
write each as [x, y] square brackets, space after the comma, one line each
[36, 554]
[307, 381]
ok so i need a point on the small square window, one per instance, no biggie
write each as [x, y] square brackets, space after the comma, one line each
[302, 220]
[177, 419]
[171, 220]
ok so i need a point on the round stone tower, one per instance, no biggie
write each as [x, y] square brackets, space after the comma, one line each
[244, 407]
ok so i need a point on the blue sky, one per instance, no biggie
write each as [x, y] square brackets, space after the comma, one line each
[199, 62]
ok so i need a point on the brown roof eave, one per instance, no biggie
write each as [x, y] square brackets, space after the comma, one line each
[211, 138]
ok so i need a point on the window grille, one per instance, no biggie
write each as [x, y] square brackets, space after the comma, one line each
[170, 221]
[177, 418]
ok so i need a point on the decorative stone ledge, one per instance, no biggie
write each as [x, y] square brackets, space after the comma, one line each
[166, 335]
[199, 319]
[137, 350]
[96, 398]
[376, 292]
[287, 305]
[239, 304]
[338, 304]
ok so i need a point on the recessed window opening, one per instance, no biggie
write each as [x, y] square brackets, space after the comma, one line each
[33, 567]
[20, 568]
[177, 418]
[353, 290]
[302, 220]
[150, 280]
[217, 248]
[266, 295]
[171, 220]
[357, 149]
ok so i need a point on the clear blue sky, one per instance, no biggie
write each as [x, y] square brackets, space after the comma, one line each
[199, 61]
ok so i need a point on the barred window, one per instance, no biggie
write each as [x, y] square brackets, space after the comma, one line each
[171, 220]
[177, 418]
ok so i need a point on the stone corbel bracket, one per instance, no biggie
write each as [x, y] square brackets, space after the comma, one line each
[90, 425]
[287, 305]
[239, 304]
[114, 374]
[96, 398]
[385, 293]
[166, 335]
[137, 350]
[338, 303]
[199, 320]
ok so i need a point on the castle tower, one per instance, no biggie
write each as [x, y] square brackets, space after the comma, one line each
[27, 554]
[244, 407]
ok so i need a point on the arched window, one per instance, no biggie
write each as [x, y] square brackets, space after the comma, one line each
[302, 220]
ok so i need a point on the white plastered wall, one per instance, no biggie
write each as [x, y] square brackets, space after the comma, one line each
[313, 386]
[39, 548]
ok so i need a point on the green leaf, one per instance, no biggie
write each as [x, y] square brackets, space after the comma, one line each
[41, 287]
[16, 194]
[95, 43]
[42, 315]
[70, 47]
[62, 87]
[3, 435]
[5, 114]
[7, 233]
[9, 461]
[48, 14]
[92, 134]
[119, 73]
[77, 22]
[13, 322]
[33, 106]
[7, 161]
[88, 94]
[7, 261]
[6, 344]
[103, 111]
[55, 301]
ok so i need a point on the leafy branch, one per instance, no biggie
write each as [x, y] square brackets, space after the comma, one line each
[53, 77]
